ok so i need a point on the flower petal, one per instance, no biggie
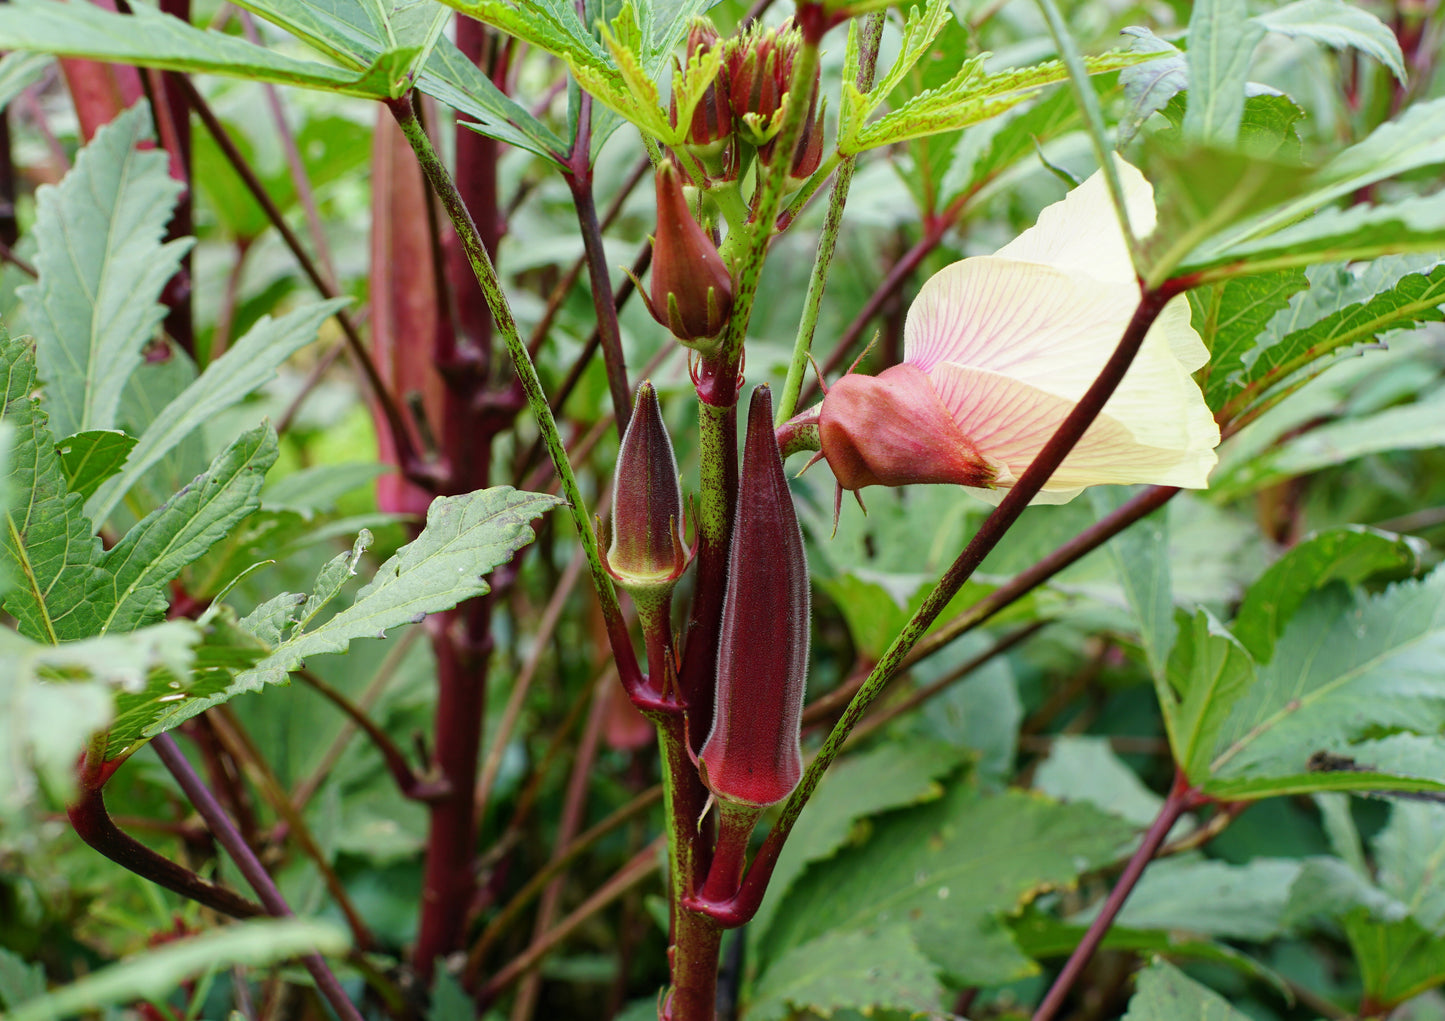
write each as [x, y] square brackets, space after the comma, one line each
[1009, 421]
[1081, 234]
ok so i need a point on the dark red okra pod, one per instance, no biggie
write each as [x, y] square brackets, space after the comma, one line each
[752, 754]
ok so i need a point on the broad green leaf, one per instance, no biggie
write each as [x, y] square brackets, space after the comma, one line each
[53, 698]
[1164, 993]
[985, 153]
[856, 788]
[1416, 426]
[155, 974]
[148, 38]
[329, 581]
[1338, 25]
[1341, 669]
[315, 490]
[456, 81]
[1222, 38]
[871, 971]
[89, 458]
[1212, 898]
[132, 588]
[102, 265]
[1387, 294]
[246, 367]
[950, 870]
[19, 980]
[1207, 672]
[1415, 224]
[1141, 563]
[1230, 316]
[1350, 554]
[1397, 960]
[19, 71]
[46, 548]
[1327, 889]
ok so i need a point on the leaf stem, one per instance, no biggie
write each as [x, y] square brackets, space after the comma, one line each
[1181, 798]
[250, 866]
[872, 33]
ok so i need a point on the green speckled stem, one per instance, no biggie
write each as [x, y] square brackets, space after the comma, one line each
[871, 33]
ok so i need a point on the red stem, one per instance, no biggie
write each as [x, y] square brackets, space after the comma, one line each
[1181, 799]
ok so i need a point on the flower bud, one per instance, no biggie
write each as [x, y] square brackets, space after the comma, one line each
[712, 121]
[892, 430]
[692, 291]
[760, 69]
[646, 554]
[752, 754]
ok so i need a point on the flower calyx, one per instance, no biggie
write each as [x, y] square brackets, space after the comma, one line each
[752, 755]
[692, 290]
[646, 554]
[759, 66]
[709, 132]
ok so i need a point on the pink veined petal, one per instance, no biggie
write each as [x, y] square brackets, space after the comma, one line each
[1021, 318]
[1010, 421]
[1080, 234]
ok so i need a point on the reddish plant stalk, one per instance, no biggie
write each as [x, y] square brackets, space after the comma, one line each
[1181, 799]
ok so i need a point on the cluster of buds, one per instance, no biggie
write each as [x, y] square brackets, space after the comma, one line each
[759, 69]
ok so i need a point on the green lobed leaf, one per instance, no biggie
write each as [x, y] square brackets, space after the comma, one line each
[1408, 855]
[1415, 224]
[46, 548]
[102, 265]
[89, 458]
[1387, 294]
[247, 366]
[1342, 668]
[869, 971]
[19, 980]
[1164, 993]
[1327, 889]
[1085, 768]
[156, 973]
[148, 38]
[1230, 317]
[53, 698]
[19, 71]
[986, 154]
[464, 539]
[1339, 25]
[132, 588]
[1349, 554]
[1222, 39]
[1416, 426]
[854, 789]
[950, 870]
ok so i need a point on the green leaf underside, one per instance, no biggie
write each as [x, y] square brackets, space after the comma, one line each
[464, 539]
[1141, 563]
[102, 265]
[89, 458]
[1230, 316]
[1222, 38]
[248, 365]
[949, 870]
[1339, 25]
[1208, 670]
[1211, 898]
[48, 550]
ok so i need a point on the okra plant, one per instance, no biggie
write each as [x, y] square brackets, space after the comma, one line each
[494, 645]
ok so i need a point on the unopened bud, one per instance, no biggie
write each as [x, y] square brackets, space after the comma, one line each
[646, 554]
[760, 70]
[753, 754]
[692, 290]
[712, 121]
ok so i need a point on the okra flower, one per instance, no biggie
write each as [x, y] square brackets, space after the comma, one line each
[997, 351]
